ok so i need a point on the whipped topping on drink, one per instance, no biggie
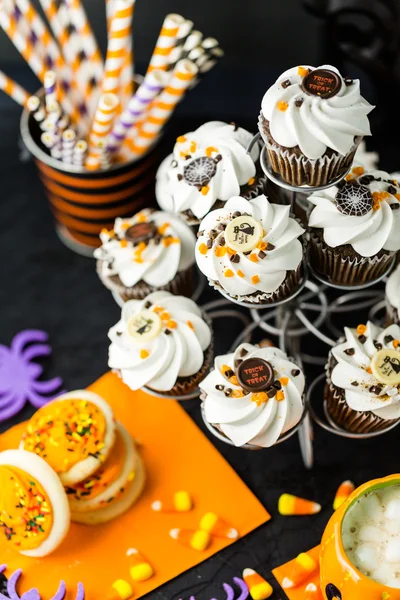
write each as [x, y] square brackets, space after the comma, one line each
[371, 535]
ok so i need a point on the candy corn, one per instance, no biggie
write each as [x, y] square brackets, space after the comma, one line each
[343, 492]
[293, 505]
[303, 566]
[141, 569]
[312, 592]
[216, 526]
[259, 588]
[121, 590]
[181, 502]
[197, 540]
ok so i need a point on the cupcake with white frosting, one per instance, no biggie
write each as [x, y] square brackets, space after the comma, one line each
[251, 250]
[153, 250]
[355, 228]
[162, 343]
[392, 293]
[363, 379]
[207, 167]
[312, 121]
[253, 395]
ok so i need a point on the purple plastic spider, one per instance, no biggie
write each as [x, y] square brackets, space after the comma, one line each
[33, 594]
[230, 594]
[19, 375]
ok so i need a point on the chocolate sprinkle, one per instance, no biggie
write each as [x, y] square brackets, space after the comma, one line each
[119, 333]
[388, 338]
[174, 164]
[392, 190]
[295, 372]
[270, 246]
[219, 387]
[221, 241]
[366, 179]
[209, 244]
[277, 385]
[229, 373]
[271, 391]
[147, 304]
[228, 392]
[236, 214]
[243, 352]
[298, 102]
[218, 158]
[167, 332]
[394, 206]
[235, 258]
[375, 389]
[362, 338]
[355, 383]
[200, 233]
[261, 254]
[349, 351]
[180, 177]
[286, 83]
[378, 345]
[348, 80]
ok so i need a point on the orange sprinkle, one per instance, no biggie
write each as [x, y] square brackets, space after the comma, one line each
[234, 380]
[230, 251]
[279, 395]
[224, 369]
[395, 182]
[210, 150]
[361, 329]
[397, 196]
[190, 325]
[253, 257]
[171, 324]
[125, 225]
[192, 147]
[251, 181]
[158, 309]
[220, 251]
[165, 316]
[104, 230]
[239, 273]
[379, 196]
[284, 380]
[171, 240]
[261, 245]
[358, 171]
[163, 228]
[138, 260]
[123, 243]
[229, 273]
[204, 190]
[141, 218]
[349, 177]
[259, 398]
[302, 71]
[282, 105]
[237, 394]
[255, 279]
[369, 370]
[144, 354]
[203, 249]
[181, 139]
[396, 343]
[376, 206]
[182, 154]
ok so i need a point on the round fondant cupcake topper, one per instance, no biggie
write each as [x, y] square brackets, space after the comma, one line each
[141, 232]
[144, 326]
[243, 233]
[354, 199]
[200, 171]
[322, 82]
[255, 374]
[385, 366]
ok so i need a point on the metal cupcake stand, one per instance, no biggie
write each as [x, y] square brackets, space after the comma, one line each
[290, 320]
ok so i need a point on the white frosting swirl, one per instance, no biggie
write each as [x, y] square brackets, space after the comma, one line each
[251, 274]
[393, 289]
[245, 418]
[369, 233]
[224, 145]
[353, 368]
[177, 350]
[318, 123]
[155, 262]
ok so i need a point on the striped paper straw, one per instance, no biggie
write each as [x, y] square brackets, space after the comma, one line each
[68, 143]
[209, 44]
[79, 153]
[163, 106]
[152, 85]
[37, 110]
[183, 33]
[118, 39]
[13, 89]
[165, 43]
[101, 127]
[50, 79]
[192, 41]
[52, 141]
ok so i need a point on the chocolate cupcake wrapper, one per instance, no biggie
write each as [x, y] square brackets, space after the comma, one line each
[346, 270]
[300, 170]
[181, 285]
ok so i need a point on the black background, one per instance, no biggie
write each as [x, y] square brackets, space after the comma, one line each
[44, 285]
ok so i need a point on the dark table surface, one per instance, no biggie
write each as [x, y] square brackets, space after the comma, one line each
[44, 285]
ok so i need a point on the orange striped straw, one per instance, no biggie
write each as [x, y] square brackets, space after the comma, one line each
[101, 127]
[119, 39]
[14, 90]
[162, 107]
[166, 42]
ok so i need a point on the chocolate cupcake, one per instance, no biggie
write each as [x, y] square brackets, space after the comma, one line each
[207, 167]
[161, 343]
[355, 228]
[253, 395]
[363, 379]
[151, 251]
[312, 121]
[392, 295]
[251, 250]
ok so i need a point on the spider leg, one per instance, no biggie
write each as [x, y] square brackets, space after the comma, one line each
[60, 594]
[7, 398]
[12, 585]
[12, 409]
[35, 351]
[243, 588]
[81, 592]
[230, 594]
[25, 337]
[47, 387]
[37, 400]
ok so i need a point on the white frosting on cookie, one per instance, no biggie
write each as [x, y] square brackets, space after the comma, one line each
[281, 250]
[355, 372]
[207, 165]
[156, 261]
[157, 340]
[250, 417]
[367, 220]
[311, 122]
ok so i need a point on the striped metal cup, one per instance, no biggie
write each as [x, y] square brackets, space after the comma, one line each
[84, 202]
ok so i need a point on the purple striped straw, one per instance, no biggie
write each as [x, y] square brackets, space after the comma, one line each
[152, 85]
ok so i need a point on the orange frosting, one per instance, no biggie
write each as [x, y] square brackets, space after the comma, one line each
[105, 476]
[26, 515]
[66, 432]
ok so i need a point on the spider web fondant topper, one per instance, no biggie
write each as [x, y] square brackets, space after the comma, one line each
[19, 374]
[200, 171]
[354, 199]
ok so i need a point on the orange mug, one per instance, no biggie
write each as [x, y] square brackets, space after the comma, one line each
[340, 579]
